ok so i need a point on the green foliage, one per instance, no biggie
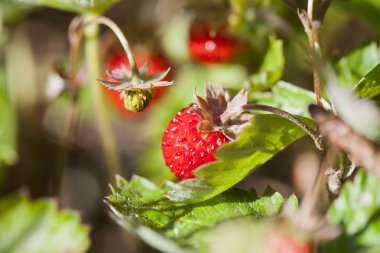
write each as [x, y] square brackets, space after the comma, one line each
[140, 206]
[288, 97]
[359, 70]
[176, 36]
[293, 202]
[357, 210]
[97, 6]
[8, 130]
[350, 109]
[38, 227]
[8, 126]
[240, 235]
[253, 21]
[264, 138]
[11, 12]
[271, 68]
[369, 85]
[352, 67]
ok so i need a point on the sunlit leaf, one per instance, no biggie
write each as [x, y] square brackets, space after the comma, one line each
[271, 68]
[288, 97]
[357, 210]
[8, 126]
[38, 226]
[352, 67]
[71, 5]
[264, 138]
[12, 12]
[141, 206]
[369, 85]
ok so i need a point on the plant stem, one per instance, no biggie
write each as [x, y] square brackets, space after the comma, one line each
[310, 9]
[123, 41]
[101, 117]
[311, 132]
[315, 46]
[313, 35]
[75, 35]
[317, 87]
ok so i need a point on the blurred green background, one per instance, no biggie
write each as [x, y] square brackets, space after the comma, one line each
[49, 135]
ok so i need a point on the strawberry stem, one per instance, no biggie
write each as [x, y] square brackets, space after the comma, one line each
[122, 39]
[310, 131]
[75, 35]
[92, 58]
[310, 9]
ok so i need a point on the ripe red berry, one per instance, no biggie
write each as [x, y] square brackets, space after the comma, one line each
[208, 46]
[192, 137]
[155, 64]
[185, 147]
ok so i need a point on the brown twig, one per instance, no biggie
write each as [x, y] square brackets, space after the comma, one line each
[361, 151]
[311, 132]
[312, 30]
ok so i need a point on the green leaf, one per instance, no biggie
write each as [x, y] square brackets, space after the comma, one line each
[288, 97]
[352, 67]
[357, 204]
[141, 206]
[38, 226]
[361, 114]
[259, 142]
[271, 68]
[357, 210]
[293, 202]
[369, 85]
[79, 6]
[7, 126]
[11, 12]
[176, 37]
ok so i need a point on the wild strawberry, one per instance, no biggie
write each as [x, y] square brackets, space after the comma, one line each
[192, 137]
[134, 94]
[192, 148]
[209, 46]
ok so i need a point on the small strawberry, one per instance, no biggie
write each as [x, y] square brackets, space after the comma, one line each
[192, 137]
[208, 46]
[133, 89]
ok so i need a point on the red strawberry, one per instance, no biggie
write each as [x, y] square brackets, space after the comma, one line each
[212, 46]
[192, 137]
[184, 147]
[155, 64]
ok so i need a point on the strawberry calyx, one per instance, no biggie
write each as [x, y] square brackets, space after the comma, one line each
[222, 114]
[152, 62]
[136, 86]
